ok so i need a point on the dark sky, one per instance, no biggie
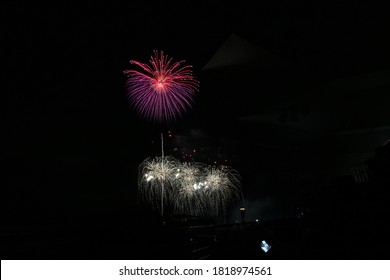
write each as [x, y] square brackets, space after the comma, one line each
[75, 144]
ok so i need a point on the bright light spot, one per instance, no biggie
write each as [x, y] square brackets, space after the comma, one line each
[257, 220]
[265, 246]
[149, 178]
[242, 209]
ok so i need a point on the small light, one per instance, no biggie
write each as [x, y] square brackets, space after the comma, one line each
[265, 246]
[149, 178]
[242, 208]
[257, 220]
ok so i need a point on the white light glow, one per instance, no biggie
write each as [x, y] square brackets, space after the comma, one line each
[265, 246]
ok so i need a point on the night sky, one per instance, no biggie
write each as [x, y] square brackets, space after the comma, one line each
[292, 95]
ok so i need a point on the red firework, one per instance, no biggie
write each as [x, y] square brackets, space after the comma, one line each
[163, 90]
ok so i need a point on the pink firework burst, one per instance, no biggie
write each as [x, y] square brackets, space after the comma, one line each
[163, 90]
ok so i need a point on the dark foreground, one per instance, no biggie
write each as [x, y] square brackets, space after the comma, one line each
[112, 238]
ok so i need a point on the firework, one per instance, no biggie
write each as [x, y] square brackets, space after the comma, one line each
[156, 179]
[190, 188]
[222, 186]
[189, 195]
[163, 90]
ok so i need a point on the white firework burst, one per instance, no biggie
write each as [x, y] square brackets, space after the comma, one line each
[223, 186]
[191, 188]
[189, 198]
[156, 178]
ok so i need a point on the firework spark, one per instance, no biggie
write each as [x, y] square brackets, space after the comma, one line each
[164, 90]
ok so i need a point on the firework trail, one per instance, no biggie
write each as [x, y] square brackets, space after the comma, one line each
[163, 90]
